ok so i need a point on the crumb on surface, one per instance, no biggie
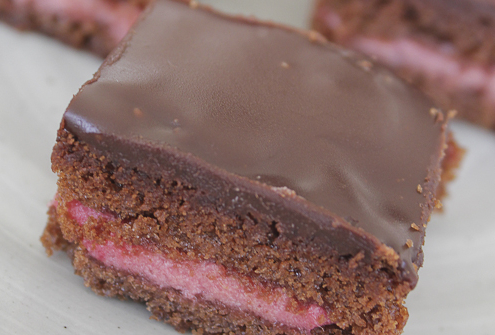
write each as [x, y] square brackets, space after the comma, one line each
[193, 4]
[313, 35]
[451, 114]
[434, 111]
[437, 114]
[365, 64]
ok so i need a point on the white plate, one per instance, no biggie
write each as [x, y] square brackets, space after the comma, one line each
[40, 295]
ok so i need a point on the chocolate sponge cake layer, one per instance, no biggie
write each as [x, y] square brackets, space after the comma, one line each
[165, 305]
[251, 168]
[168, 218]
[446, 48]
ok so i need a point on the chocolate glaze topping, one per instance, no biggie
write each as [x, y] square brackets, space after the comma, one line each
[270, 119]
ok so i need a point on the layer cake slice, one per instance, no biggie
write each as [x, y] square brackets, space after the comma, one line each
[241, 177]
[445, 48]
[97, 25]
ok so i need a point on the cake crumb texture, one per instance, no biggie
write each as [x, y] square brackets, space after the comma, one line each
[161, 215]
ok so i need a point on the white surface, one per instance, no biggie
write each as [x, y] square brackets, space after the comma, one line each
[40, 295]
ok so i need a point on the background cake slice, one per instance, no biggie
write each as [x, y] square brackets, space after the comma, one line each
[247, 178]
[446, 48]
[97, 25]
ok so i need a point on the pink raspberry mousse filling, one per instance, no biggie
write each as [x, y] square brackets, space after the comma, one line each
[200, 278]
[117, 16]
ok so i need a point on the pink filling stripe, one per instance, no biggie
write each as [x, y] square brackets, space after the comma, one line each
[117, 16]
[201, 278]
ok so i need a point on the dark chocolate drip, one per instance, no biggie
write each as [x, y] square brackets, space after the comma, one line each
[271, 105]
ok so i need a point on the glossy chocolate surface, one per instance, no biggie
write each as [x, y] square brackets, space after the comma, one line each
[284, 112]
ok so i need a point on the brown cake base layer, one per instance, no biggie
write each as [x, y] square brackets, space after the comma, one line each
[89, 33]
[460, 30]
[166, 305]
[167, 215]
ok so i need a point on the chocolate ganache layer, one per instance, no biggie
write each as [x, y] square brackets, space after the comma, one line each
[265, 118]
